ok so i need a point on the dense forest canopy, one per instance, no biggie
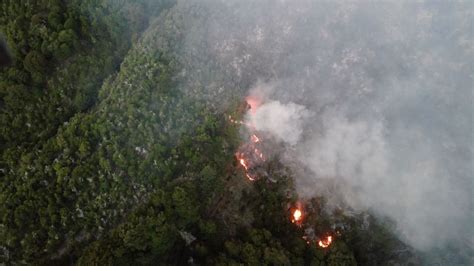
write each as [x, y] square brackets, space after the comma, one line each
[122, 123]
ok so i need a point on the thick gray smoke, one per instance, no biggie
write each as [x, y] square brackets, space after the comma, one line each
[376, 96]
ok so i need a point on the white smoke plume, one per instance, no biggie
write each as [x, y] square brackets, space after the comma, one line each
[284, 122]
[374, 95]
[395, 174]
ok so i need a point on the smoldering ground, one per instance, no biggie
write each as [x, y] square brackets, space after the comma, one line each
[374, 95]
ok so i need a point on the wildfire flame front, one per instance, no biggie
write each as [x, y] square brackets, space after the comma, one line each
[254, 138]
[249, 156]
[297, 215]
[242, 162]
[324, 243]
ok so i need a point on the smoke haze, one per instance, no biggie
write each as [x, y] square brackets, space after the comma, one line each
[374, 95]
[282, 121]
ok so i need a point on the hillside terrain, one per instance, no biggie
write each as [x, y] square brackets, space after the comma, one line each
[117, 149]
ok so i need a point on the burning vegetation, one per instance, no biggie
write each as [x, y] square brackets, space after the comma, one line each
[325, 242]
[251, 159]
[297, 216]
[250, 155]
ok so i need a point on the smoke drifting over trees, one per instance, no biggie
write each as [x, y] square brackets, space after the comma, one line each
[125, 138]
[374, 96]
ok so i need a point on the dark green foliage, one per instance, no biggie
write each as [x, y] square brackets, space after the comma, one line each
[106, 160]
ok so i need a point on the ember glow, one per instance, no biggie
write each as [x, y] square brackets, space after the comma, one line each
[297, 215]
[324, 243]
[249, 177]
[250, 158]
[254, 138]
[259, 154]
[254, 103]
[232, 120]
[242, 162]
[250, 155]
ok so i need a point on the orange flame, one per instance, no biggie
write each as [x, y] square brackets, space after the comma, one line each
[243, 163]
[324, 243]
[254, 138]
[244, 157]
[249, 177]
[259, 154]
[254, 102]
[232, 120]
[245, 166]
[297, 216]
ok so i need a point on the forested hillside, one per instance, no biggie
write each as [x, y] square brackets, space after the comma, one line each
[116, 149]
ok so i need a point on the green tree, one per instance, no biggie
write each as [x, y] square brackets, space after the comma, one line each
[184, 206]
[35, 62]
